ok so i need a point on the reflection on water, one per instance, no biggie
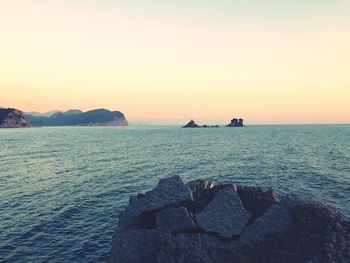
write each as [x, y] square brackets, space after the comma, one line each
[62, 188]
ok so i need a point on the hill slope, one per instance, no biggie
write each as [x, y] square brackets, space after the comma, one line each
[98, 117]
[12, 118]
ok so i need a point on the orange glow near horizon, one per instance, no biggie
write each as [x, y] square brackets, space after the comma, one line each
[169, 63]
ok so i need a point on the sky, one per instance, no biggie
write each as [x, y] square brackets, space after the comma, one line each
[268, 61]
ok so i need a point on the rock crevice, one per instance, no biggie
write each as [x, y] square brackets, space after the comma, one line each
[200, 222]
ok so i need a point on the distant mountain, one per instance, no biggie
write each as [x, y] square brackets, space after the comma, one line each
[12, 118]
[98, 117]
[40, 114]
[73, 112]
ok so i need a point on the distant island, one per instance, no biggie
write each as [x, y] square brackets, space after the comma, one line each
[234, 123]
[13, 118]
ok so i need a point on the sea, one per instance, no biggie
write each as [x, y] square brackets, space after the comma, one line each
[61, 188]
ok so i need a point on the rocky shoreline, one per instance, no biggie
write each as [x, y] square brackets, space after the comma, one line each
[201, 222]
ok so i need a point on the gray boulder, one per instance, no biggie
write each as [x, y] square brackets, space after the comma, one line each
[277, 218]
[224, 216]
[255, 200]
[291, 230]
[169, 192]
[175, 220]
[146, 246]
[188, 249]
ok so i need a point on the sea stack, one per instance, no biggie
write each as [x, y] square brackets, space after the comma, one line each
[206, 223]
[13, 118]
[236, 123]
[191, 124]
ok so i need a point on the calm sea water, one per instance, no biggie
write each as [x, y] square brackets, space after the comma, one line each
[62, 188]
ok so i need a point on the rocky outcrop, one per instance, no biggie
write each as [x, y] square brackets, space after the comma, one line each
[224, 216]
[175, 220]
[170, 192]
[191, 124]
[201, 222]
[12, 118]
[236, 123]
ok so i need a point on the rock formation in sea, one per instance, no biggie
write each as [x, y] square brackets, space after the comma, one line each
[236, 123]
[191, 124]
[98, 117]
[199, 222]
[13, 118]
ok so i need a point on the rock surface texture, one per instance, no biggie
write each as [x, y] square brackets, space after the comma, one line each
[12, 118]
[202, 223]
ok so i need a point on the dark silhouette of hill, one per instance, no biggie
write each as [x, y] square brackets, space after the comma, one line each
[78, 118]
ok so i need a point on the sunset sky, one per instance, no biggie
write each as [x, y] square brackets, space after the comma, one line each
[268, 61]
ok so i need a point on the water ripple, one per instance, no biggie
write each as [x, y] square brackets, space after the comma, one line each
[62, 188]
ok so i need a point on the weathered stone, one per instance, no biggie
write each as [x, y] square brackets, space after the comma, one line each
[311, 215]
[169, 192]
[175, 220]
[13, 118]
[291, 230]
[202, 197]
[255, 200]
[209, 242]
[225, 255]
[276, 219]
[324, 232]
[146, 246]
[224, 215]
[337, 241]
[188, 249]
[197, 184]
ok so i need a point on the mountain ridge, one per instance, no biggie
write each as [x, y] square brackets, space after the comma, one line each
[96, 117]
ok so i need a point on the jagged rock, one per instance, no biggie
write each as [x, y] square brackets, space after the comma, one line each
[292, 230]
[236, 123]
[146, 246]
[197, 184]
[255, 200]
[191, 124]
[140, 212]
[297, 230]
[311, 216]
[175, 220]
[224, 215]
[277, 218]
[322, 230]
[204, 195]
[12, 118]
